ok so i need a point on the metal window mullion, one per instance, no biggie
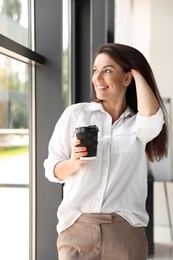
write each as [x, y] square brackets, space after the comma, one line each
[17, 51]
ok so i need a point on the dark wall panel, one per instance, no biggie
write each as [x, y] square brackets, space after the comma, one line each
[82, 50]
[94, 26]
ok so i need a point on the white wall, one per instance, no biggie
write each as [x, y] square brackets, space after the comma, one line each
[147, 25]
[132, 24]
[161, 57]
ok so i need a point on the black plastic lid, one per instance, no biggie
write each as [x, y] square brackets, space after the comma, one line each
[86, 129]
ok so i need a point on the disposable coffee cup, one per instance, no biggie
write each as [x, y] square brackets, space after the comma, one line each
[88, 136]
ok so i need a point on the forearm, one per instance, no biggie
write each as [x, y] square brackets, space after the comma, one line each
[65, 169]
[147, 102]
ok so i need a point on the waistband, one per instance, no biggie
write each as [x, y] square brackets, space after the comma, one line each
[100, 218]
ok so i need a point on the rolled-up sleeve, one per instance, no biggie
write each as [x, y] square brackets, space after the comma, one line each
[59, 148]
[147, 128]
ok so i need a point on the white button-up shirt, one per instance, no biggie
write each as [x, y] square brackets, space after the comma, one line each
[117, 180]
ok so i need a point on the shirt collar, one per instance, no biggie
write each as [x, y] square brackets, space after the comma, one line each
[98, 106]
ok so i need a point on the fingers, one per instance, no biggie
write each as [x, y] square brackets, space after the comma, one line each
[78, 151]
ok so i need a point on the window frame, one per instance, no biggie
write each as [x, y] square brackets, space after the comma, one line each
[17, 51]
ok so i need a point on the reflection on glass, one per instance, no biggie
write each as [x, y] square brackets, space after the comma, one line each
[66, 68]
[14, 159]
[14, 22]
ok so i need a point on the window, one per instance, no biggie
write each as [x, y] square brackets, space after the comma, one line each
[16, 91]
[15, 17]
[14, 158]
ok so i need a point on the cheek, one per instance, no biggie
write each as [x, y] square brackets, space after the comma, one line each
[93, 79]
[118, 80]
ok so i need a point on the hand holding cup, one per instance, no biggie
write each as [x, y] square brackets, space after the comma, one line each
[88, 136]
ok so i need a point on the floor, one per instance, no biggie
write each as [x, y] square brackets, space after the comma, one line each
[163, 244]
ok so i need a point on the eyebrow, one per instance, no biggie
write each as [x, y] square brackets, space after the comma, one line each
[106, 66]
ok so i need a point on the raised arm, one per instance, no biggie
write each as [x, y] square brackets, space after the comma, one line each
[147, 102]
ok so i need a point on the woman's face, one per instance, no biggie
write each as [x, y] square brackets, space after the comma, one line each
[110, 81]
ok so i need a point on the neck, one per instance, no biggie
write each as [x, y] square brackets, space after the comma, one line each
[115, 110]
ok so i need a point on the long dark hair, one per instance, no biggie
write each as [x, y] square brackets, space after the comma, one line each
[130, 58]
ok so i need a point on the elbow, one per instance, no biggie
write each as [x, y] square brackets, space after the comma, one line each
[148, 112]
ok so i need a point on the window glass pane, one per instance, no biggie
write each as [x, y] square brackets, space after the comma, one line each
[66, 69]
[14, 22]
[14, 158]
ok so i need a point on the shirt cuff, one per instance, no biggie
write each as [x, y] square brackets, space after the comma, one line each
[151, 121]
[49, 171]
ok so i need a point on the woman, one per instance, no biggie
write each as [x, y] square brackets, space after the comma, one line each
[103, 215]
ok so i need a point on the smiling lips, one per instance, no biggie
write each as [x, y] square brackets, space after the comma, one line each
[102, 87]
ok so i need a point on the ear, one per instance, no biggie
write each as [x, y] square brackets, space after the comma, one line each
[128, 79]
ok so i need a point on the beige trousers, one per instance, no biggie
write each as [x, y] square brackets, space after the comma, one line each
[102, 237]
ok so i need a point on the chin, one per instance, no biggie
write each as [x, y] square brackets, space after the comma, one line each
[100, 97]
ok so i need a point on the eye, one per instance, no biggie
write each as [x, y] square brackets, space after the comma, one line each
[108, 71]
[95, 71]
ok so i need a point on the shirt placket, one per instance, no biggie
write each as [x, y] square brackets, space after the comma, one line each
[105, 163]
